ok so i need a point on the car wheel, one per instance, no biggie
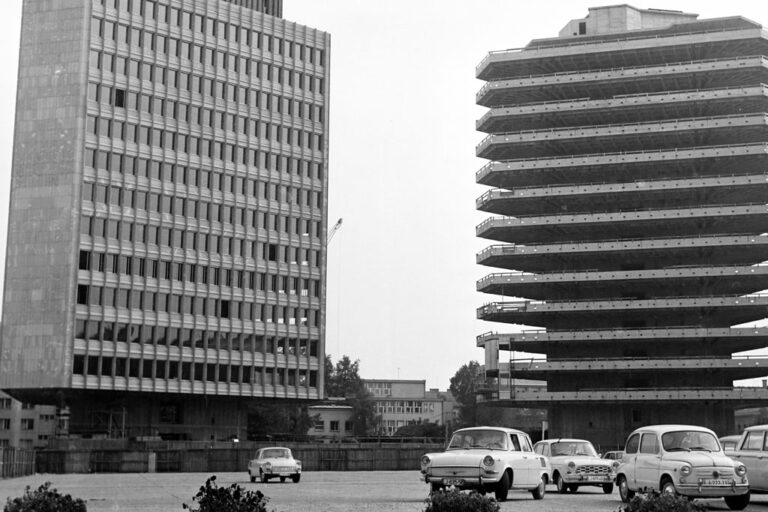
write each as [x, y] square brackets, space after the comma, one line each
[282, 479]
[253, 478]
[561, 487]
[667, 487]
[296, 478]
[539, 492]
[573, 487]
[737, 502]
[607, 488]
[263, 477]
[625, 493]
[434, 486]
[502, 488]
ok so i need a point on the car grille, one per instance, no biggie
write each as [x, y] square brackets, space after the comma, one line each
[455, 471]
[722, 472]
[282, 469]
[593, 470]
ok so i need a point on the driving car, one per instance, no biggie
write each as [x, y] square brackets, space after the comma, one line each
[752, 451]
[275, 462]
[575, 463]
[681, 459]
[729, 444]
[487, 459]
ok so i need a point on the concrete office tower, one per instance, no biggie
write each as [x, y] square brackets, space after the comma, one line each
[628, 165]
[166, 260]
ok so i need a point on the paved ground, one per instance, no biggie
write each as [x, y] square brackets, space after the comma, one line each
[375, 491]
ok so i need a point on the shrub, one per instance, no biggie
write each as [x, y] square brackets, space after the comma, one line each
[455, 501]
[212, 498]
[655, 502]
[44, 499]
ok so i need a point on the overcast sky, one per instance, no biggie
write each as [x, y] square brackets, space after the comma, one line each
[401, 272]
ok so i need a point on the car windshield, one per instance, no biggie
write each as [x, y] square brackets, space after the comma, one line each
[492, 439]
[687, 440]
[275, 453]
[573, 448]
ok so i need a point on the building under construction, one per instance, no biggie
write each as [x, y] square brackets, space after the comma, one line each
[628, 175]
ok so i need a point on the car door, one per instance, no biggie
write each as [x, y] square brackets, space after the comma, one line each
[648, 461]
[521, 466]
[753, 453]
[533, 464]
[630, 460]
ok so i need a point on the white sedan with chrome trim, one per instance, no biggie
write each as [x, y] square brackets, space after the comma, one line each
[275, 462]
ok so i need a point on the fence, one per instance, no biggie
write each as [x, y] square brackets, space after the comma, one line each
[226, 457]
[16, 462]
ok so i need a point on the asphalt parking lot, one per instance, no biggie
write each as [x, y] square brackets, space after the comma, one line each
[374, 491]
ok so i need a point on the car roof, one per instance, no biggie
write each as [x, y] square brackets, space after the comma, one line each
[757, 427]
[274, 448]
[563, 440]
[732, 437]
[672, 427]
[500, 429]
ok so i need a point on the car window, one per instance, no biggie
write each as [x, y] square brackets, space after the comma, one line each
[753, 441]
[526, 444]
[649, 444]
[515, 442]
[689, 440]
[274, 453]
[632, 444]
[573, 448]
[492, 439]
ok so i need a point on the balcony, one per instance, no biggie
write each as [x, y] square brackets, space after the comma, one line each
[636, 49]
[607, 83]
[625, 196]
[661, 282]
[661, 312]
[626, 166]
[731, 339]
[630, 108]
[736, 219]
[617, 254]
[678, 133]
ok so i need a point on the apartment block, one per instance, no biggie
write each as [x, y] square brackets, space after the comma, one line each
[401, 402]
[25, 425]
[627, 179]
[166, 250]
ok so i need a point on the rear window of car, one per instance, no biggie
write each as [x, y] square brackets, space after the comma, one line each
[274, 454]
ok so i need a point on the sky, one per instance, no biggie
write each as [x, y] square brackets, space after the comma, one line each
[401, 294]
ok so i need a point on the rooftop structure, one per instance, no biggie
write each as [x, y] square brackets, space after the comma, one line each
[166, 251]
[627, 166]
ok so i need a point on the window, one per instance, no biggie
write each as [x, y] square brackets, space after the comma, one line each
[649, 444]
[5, 424]
[632, 444]
[753, 441]
[334, 426]
[27, 424]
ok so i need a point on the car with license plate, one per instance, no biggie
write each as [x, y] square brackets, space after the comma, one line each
[682, 460]
[487, 459]
[752, 451]
[274, 462]
[575, 463]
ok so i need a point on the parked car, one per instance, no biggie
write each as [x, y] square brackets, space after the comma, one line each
[614, 455]
[276, 462]
[729, 444]
[575, 463]
[752, 451]
[681, 459]
[487, 459]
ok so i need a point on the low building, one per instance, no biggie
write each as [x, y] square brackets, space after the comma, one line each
[332, 422]
[402, 402]
[25, 425]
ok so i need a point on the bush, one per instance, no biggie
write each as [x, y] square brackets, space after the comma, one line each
[455, 501]
[212, 498]
[655, 502]
[44, 499]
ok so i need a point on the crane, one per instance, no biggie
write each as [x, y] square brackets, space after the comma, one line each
[333, 230]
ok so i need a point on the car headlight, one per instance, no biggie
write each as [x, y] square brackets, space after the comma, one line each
[571, 465]
[685, 470]
[741, 470]
[425, 460]
[298, 462]
[488, 461]
[268, 466]
[615, 465]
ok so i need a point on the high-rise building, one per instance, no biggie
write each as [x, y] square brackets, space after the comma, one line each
[166, 257]
[628, 164]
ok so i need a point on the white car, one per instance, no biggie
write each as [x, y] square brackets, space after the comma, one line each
[751, 449]
[681, 459]
[277, 462]
[575, 463]
[487, 459]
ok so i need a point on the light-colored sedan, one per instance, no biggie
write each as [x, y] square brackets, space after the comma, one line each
[575, 463]
[277, 462]
[487, 459]
[681, 459]
[752, 451]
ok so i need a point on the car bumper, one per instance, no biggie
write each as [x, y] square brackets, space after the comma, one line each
[698, 491]
[588, 479]
[462, 482]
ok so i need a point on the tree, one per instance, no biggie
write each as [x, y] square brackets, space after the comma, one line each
[464, 389]
[343, 380]
[421, 429]
[267, 420]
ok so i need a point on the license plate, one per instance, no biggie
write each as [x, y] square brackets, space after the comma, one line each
[716, 482]
[453, 481]
[593, 478]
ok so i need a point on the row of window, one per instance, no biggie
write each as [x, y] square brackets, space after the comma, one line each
[379, 388]
[196, 145]
[404, 406]
[158, 11]
[197, 338]
[190, 112]
[188, 371]
[196, 273]
[181, 238]
[107, 296]
[333, 425]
